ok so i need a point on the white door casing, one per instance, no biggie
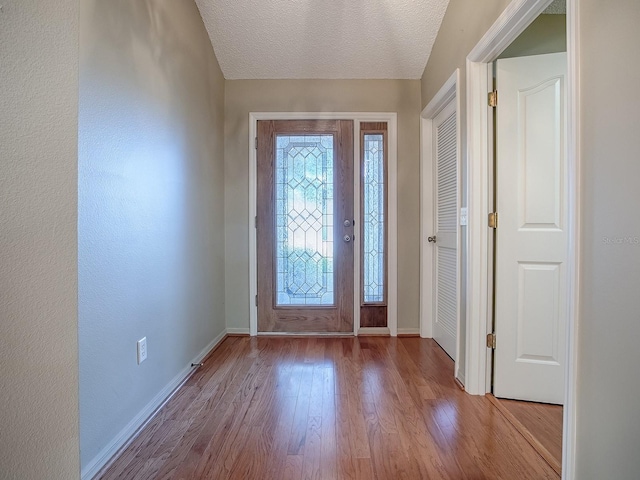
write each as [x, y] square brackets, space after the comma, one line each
[445, 196]
[447, 96]
[531, 238]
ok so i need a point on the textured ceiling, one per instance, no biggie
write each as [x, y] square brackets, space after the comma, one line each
[322, 38]
[557, 7]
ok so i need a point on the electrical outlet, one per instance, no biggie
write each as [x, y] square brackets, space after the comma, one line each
[142, 350]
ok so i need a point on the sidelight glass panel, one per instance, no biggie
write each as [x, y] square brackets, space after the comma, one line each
[304, 220]
[374, 219]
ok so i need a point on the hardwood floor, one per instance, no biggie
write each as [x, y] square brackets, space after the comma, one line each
[328, 408]
[543, 423]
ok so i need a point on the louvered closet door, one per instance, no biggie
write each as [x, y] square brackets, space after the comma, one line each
[445, 324]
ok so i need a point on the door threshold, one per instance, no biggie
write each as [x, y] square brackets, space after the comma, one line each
[528, 436]
[374, 332]
[305, 334]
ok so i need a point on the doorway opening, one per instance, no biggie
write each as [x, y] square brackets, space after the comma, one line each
[476, 202]
[442, 225]
[514, 20]
[530, 234]
[372, 291]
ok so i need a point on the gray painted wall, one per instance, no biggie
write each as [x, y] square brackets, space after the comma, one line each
[546, 34]
[38, 134]
[608, 418]
[244, 96]
[38, 246]
[464, 24]
[151, 205]
[608, 423]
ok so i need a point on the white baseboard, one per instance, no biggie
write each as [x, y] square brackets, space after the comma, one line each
[126, 435]
[409, 331]
[384, 331]
[237, 331]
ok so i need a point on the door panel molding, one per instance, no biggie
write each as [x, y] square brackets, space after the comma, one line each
[391, 119]
[516, 17]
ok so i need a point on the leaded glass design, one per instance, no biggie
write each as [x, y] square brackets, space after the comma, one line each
[374, 219]
[304, 220]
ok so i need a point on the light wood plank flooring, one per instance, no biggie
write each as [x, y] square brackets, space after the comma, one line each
[543, 421]
[328, 408]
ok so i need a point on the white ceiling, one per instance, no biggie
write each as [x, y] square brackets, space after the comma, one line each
[322, 38]
[557, 7]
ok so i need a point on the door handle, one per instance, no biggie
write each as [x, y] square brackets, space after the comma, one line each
[431, 239]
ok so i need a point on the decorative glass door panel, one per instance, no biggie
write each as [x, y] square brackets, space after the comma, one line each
[304, 220]
[374, 219]
[305, 226]
[373, 213]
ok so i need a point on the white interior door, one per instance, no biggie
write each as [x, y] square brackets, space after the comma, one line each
[445, 281]
[531, 238]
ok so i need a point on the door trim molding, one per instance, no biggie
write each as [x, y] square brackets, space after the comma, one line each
[516, 17]
[392, 122]
[450, 91]
[573, 314]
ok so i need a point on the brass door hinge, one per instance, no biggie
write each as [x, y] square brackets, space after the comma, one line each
[493, 98]
[491, 340]
[493, 220]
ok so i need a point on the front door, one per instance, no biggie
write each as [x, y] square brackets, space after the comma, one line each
[531, 236]
[305, 226]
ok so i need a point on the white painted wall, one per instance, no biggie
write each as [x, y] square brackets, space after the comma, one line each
[608, 413]
[151, 200]
[38, 246]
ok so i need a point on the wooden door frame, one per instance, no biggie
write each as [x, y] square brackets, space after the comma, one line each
[516, 17]
[391, 118]
[449, 92]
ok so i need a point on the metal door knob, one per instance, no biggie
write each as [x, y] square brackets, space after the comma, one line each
[431, 239]
[346, 238]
